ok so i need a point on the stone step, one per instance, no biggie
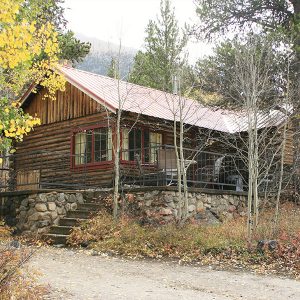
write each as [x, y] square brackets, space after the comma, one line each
[70, 221]
[89, 206]
[56, 229]
[80, 214]
[55, 238]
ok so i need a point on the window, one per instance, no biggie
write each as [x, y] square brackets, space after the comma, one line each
[141, 142]
[93, 146]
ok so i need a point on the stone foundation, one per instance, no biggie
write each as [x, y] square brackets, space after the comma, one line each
[164, 205]
[36, 212]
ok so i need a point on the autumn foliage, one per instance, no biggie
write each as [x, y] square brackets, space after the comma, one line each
[28, 56]
[221, 245]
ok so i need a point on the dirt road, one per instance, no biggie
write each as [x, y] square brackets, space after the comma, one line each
[78, 275]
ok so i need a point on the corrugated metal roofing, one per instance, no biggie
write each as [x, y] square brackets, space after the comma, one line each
[130, 97]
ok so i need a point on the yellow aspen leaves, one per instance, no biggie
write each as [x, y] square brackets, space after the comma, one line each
[28, 55]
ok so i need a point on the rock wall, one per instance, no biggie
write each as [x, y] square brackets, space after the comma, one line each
[206, 207]
[37, 212]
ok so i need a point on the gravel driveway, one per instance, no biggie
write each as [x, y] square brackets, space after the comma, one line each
[78, 275]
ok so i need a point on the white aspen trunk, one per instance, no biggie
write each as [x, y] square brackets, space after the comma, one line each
[183, 172]
[255, 171]
[179, 214]
[276, 217]
[250, 176]
[117, 167]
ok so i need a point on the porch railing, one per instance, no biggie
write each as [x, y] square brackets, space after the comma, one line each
[158, 166]
[150, 166]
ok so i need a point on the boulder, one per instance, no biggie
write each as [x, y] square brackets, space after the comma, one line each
[72, 198]
[231, 208]
[41, 207]
[191, 208]
[33, 217]
[61, 210]
[73, 206]
[24, 203]
[42, 198]
[54, 215]
[79, 198]
[51, 206]
[165, 212]
[199, 206]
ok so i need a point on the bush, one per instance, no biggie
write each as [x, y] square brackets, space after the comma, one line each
[225, 243]
[16, 281]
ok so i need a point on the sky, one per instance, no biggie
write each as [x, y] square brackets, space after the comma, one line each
[112, 20]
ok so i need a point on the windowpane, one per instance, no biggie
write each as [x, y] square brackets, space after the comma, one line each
[94, 145]
[101, 145]
[80, 146]
[89, 145]
[155, 143]
[135, 143]
[146, 146]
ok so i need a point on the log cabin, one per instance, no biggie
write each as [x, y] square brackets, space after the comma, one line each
[75, 145]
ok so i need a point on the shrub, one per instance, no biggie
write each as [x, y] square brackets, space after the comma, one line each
[224, 243]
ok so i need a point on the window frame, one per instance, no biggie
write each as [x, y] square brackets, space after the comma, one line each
[143, 129]
[93, 163]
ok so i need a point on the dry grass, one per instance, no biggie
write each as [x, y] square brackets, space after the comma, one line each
[16, 281]
[225, 243]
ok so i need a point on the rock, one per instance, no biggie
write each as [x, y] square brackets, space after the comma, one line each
[231, 208]
[191, 208]
[15, 244]
[24, 202]
[68, 206]
[73, 206]
[51, 206]
[148, 196]
[41, 207]
[168, 198]
[199, 197]
[72, 198]
[31, 200]
[22, 208]
[171, 204]
[61, 197]
[33, 217]
[61, 210]
[270, 245]
[79, 198]
[208, 199]
[22, 214]
[155, 193]
[52, 197]
[42, 198]
[42, 230]
[54, 215]
[148, 203]
[165, 212]
[199, 206]
[44, 216]
[31, 211]
[44, 223]
[89, 195]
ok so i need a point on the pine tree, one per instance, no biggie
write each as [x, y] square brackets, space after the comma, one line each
[164, 51]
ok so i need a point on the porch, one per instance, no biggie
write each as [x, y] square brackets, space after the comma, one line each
[152, 166]
[158, 166]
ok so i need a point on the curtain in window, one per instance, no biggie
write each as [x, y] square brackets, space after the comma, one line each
[155, 142]
[125, 144]
[109, 145]
[80, 148]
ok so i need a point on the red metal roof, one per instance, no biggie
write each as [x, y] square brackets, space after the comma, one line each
[117, 94]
